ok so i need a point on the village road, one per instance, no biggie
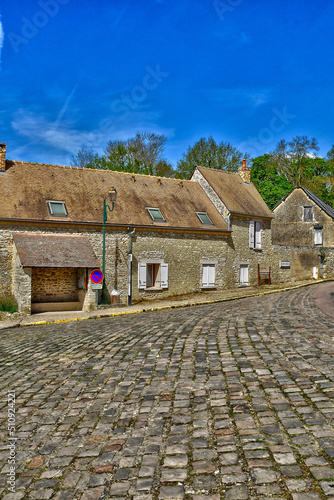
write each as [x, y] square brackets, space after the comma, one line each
[224, 401]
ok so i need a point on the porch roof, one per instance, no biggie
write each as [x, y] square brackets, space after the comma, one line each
[55, 250]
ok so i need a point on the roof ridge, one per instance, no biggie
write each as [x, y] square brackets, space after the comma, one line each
[218, 170]
[102, 170]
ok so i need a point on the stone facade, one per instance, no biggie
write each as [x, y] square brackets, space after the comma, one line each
[293, 237]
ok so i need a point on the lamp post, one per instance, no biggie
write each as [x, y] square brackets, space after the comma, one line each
[112, 197]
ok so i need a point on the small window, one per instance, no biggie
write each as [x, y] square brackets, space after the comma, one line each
[208, 275]
[152, 275]
[255, 234]
[204, 218]
[318, 236]
[156, 215]
[57, 208]
[308, 214]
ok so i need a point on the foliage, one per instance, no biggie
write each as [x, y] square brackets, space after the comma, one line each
[209, 153]
[289, 157]
[271, 185]
[8, 304]
[142, 154]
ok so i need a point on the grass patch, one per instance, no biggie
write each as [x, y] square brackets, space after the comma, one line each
[8, 304]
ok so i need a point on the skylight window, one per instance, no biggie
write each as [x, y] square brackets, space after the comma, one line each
[204, 218]
[57, 208]
[156, 215]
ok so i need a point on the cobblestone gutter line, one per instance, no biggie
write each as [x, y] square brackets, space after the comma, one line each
[175, 305]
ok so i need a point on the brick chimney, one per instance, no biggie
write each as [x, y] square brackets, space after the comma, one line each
[3, 157]
[244, 172]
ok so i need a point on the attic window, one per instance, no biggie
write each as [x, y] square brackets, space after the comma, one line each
[57, 208]
[308, 214]
[204, 218]
[156, 215]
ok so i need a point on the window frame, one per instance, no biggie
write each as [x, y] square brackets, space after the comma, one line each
[255, 235]
[213, 282]
[210, 223]
[160, 271]
[308, 207]
[318, 230]
[163, 220]
[52, 214]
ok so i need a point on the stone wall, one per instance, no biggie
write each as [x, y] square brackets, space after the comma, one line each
[6, 262]
[52, 284]
[21, 283]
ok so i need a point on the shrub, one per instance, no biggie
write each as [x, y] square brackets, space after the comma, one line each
[8, 304]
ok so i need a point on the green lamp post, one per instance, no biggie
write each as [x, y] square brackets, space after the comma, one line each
[112, 197]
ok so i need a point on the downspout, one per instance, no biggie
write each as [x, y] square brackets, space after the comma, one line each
[130, 233]
[228, 221]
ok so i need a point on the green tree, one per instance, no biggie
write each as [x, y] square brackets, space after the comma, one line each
[209, 153]
[271, 185]
[289, 157]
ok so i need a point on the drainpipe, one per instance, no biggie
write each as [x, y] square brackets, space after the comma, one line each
[130, 233]
[228, 221]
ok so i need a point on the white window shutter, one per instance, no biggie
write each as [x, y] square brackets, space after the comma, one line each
[257, 234]
[251, 234]
[318, 236]
[141, 275]
[164, 275]
[212, 275]
[205, 275]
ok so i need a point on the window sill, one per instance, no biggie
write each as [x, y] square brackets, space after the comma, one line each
[153, 289]
[209, 287]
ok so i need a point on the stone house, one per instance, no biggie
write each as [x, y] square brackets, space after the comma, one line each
[247, 217]
[303, 234]
[210, 232]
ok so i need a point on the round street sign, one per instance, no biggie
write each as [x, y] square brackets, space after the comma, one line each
[96, 276]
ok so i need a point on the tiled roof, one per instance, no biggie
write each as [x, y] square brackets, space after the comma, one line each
[54, 250]
[238, 196]
[26, 187]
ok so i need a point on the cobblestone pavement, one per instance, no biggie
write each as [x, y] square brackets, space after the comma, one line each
[223, 401]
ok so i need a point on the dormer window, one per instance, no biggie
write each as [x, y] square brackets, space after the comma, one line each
[156, 215]
[204, 218]
[57, 208]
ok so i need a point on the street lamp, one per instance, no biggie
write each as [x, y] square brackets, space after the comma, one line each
[112, 197]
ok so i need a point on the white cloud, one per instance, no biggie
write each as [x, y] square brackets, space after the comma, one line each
[231, 98]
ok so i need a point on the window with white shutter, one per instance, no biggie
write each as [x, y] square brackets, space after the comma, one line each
[255, 234]
[152, 275]
[208, 275]
[318, 236]
[243, 277]
[308, 214]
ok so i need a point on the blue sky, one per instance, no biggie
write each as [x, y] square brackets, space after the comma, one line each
[77, 74]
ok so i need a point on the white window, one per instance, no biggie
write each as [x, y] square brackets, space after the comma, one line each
[57, 208]
[204, 218]
[156, 215]
[208, 275]
[318, 236]
[308, 214]
[153, 275]
[243, 277]
[255, 234]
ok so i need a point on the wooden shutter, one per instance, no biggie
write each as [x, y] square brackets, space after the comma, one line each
[164, 275]
[205, 275]
[318, 236]
[251, 234]
[141, 276]
[211, 275]
[257, 234]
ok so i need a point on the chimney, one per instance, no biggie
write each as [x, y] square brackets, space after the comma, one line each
[3, 157]
[244, 172]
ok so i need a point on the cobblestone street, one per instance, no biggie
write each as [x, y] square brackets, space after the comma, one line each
[225, 401]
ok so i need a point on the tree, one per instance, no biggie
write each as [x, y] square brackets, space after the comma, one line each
[209, 153]
[85, 158]
[142, 154]
[271, 185]
[289, 157]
